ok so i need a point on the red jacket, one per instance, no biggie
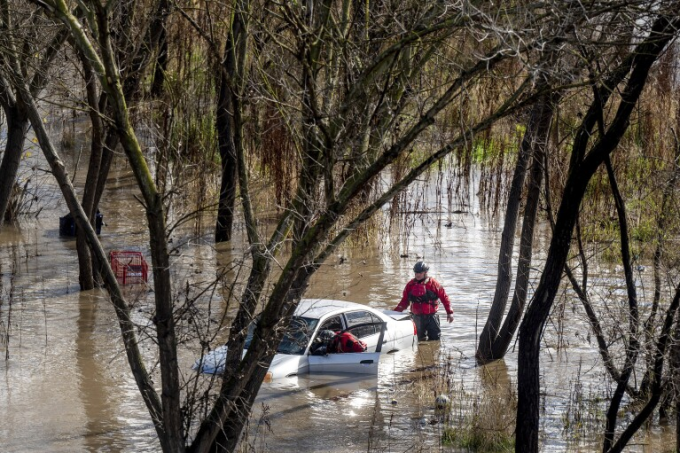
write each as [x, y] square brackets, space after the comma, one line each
[424, 297]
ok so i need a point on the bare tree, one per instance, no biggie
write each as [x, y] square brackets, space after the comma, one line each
[495, 338]
[20, 44]
[632, 73]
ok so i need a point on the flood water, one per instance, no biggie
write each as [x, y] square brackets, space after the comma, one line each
[65, 384]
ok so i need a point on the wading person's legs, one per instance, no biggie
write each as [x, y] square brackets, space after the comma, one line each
[421, 326]
[433, 327]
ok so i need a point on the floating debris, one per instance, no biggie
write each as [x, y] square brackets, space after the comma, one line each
[442, 402]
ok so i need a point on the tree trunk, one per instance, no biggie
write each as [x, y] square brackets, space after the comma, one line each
[87, 262]
[111, 141]
[229, 119]
[226, 105]
[494, 340]
[17, 126]
[633, 341]
[519, 297]
[161, 66]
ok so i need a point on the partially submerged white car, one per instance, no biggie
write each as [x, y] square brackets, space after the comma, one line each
[301, 348]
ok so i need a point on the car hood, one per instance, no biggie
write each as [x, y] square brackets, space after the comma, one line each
[213, 363]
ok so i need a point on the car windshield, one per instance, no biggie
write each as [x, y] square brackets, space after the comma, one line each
[296, 337]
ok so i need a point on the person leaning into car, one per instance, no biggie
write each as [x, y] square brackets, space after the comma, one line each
[423, 293]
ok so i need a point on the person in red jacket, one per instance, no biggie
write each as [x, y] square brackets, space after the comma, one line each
[423, 293]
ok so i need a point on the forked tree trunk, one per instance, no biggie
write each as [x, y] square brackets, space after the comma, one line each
[494, 340]
[87, 262]
[519, 297]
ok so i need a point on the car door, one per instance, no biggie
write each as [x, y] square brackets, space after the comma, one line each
[347, 362]
[401, 331]
[365, 326]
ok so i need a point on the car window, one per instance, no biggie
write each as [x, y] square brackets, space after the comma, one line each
[334, 324]
[296, 337]
[367, 323]
[326, 332]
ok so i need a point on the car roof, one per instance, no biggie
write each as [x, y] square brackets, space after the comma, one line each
[316, 308]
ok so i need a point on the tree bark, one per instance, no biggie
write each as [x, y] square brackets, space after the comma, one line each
[87, 262]
[225, 136]
[495, 339]
[161, 66]
[229, 121]
[634, 319]
[17, 126]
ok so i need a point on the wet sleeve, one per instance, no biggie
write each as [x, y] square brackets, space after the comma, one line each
[404, 300]
[441, 293]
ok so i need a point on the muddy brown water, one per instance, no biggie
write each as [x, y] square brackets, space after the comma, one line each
[65, 384]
